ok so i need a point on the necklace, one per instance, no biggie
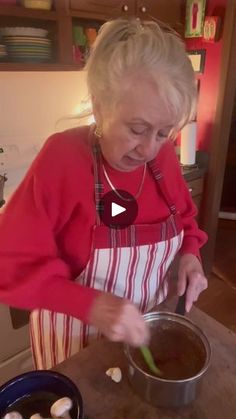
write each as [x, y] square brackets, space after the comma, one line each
[115, 190]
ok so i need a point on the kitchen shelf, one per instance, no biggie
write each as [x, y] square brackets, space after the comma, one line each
[39, 67]
[22, 12]
[90, 16]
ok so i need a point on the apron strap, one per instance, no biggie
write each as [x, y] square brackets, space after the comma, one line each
[158, 176]
[97, 164]
[98, 184]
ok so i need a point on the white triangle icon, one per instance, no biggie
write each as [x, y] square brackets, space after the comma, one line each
[116, 209]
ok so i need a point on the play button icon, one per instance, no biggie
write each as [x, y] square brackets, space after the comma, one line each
[118, 209]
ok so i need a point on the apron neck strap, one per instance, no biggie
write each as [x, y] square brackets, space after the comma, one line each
[98, 184]
[160, 180]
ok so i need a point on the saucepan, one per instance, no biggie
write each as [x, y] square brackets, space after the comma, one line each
[181, 351]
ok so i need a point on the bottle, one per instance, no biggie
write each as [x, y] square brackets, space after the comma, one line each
[79, 46]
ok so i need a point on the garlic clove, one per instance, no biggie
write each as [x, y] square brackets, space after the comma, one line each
[115, 374]
[36, 416]
[61, 408]
[13, 415]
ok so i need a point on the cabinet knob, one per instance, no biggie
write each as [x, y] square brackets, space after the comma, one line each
[143, 9]
[125, 8]
[190, 190]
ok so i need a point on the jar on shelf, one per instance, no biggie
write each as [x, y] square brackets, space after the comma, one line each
[37, 4]
[91, 34]
[79, 44]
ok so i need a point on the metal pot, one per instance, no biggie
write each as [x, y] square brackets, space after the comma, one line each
[166, 392]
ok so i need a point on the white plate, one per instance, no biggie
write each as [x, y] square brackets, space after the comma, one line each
[21, 31]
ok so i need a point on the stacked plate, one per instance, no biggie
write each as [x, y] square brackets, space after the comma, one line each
[3, 52]
[27, 44]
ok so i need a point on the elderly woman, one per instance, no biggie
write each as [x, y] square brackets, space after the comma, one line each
[80, 277]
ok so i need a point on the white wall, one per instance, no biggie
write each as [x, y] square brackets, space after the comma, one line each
[31, 103]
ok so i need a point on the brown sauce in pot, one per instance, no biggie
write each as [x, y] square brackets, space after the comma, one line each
[178, 352]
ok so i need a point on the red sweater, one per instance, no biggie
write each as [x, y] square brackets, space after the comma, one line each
[46, 228]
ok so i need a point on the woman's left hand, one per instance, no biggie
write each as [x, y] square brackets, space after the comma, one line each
[190, 278]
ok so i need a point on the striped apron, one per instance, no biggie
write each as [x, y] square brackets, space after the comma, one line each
[131, 263]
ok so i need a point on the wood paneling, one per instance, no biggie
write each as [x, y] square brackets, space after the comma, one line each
[220, 137]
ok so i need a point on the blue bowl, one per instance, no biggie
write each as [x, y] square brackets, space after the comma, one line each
[35, 392]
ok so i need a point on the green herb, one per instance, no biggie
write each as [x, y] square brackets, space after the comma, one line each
[150, 361]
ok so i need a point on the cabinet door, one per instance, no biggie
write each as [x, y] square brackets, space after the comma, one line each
[104, 8]
[197, 201]
[196, 189]
[171, 12]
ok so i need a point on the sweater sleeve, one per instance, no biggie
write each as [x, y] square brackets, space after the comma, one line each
[32, 273]
[194, 238]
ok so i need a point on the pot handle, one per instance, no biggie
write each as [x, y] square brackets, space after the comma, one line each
[180, 308]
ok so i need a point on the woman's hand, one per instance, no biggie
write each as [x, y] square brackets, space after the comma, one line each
[119, 320]
[191, 278]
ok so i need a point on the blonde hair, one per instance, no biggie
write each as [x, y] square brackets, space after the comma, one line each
[124, 48]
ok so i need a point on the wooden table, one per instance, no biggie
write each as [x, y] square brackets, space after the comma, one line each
[104, 399]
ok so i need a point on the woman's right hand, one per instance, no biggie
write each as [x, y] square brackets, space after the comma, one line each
[119, 320]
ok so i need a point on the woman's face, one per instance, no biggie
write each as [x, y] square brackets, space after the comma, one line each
[136, 128]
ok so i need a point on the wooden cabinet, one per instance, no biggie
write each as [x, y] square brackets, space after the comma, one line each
[59, 22]
[196, 189]
[103, 9]
[171, 12]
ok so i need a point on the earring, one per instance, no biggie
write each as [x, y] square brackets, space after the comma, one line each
[98, 132]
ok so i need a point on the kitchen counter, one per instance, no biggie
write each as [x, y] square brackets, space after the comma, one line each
[105, 399]
[198, 171]
[193, 173]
